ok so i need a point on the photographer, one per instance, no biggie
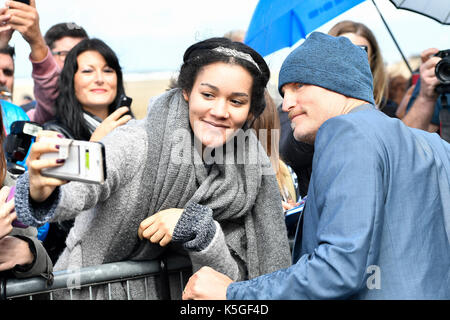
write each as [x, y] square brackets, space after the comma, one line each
[425, 109]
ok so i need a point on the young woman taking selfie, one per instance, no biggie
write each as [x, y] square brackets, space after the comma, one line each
[167, 187]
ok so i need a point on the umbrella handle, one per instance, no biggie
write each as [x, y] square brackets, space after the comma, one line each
[393, 38]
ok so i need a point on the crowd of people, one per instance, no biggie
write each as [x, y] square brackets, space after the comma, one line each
[214, 167]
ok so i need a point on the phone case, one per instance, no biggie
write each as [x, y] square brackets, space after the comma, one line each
[85, 161]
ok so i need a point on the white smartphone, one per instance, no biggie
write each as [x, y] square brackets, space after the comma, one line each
[85, 161]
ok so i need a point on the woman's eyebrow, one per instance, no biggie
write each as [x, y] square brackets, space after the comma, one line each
[239, 94]
[209, 85]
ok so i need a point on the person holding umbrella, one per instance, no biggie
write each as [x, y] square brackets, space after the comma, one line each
[366, 234]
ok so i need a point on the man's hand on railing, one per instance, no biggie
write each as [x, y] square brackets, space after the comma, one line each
[207, 284]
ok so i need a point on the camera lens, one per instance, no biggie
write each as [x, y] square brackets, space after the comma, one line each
[443, 71]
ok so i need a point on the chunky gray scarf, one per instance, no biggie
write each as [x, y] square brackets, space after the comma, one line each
[178, 176]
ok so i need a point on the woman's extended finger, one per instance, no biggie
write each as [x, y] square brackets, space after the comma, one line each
[121, 111]
[40, 164]
[117, 113]
[38, 148]
[123, 120]
[48, 134]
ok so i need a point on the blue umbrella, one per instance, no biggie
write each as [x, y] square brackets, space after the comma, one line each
[278, 24]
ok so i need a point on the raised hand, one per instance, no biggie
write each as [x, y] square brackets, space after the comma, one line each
[114, 120]
[42, 187]
[25, 19]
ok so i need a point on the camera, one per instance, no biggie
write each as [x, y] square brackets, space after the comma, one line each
[442, 69]
[17, 144]
[442, 72]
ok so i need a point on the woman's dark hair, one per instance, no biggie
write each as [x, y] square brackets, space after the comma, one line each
[69, 111]
[202, 54]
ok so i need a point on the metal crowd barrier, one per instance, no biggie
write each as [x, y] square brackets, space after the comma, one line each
[100, 275]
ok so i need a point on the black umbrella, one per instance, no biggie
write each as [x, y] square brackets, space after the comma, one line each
[438, 10]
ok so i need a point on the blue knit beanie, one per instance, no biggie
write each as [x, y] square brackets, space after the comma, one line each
[329, 62]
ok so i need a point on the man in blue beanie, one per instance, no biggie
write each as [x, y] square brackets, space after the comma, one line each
[377, 219]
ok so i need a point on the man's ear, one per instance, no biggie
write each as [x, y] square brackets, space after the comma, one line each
[185, 96]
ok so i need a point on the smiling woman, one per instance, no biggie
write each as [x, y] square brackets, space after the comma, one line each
[91, 85]
[227, 216]
[220, 106]
[95, 84]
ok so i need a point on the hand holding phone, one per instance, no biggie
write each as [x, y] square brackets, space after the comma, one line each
[125, 101]
[116, 119]
[82, 161]
[53, 161]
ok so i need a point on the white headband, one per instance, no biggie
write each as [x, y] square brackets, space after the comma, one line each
[237, 54]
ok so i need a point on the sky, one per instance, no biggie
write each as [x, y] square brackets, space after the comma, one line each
[151, 36]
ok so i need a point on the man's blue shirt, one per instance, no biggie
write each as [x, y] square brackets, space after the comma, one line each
[377, 219]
